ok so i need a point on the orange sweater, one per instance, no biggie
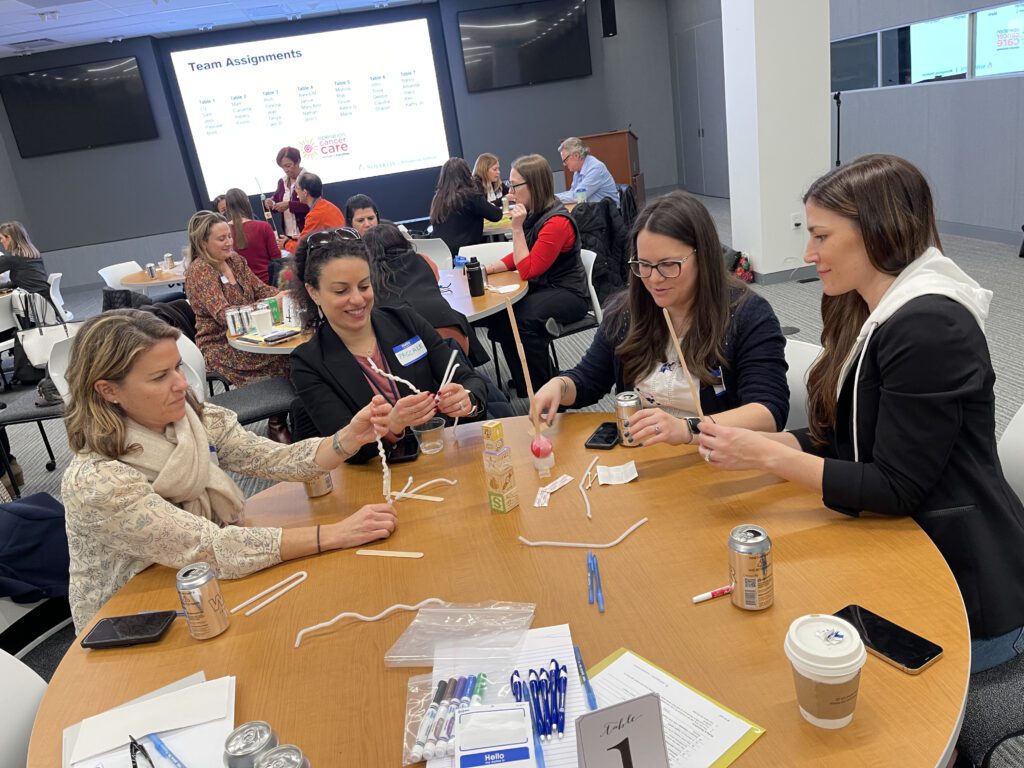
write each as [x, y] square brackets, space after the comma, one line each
[323, 215]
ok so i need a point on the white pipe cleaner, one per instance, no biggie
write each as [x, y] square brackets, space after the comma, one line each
[360, 617]
[576, 545]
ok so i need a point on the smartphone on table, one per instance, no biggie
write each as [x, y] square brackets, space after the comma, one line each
[605, 436]
[119, 631]
[890, 642]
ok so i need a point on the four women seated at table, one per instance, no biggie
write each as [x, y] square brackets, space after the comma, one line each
[356, 345]
[216, 280]
[545, 252]
[459, 207]
[900, 403]
[731, 340]
[147, 481]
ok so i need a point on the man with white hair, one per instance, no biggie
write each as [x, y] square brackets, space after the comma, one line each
[588, 173]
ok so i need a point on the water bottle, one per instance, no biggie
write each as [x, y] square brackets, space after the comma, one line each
[475, 276]
[581, 195]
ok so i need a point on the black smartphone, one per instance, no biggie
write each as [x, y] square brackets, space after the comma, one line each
[119, 631]
[278, 336]
[605, 436]
[406, 449]
[891, 642]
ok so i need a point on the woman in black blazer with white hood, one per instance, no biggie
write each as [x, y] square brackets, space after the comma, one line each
[901, 404]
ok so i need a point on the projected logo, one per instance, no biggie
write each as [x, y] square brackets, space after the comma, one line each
[329, 146]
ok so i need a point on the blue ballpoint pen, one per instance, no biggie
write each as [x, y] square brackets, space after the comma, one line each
[582, 671]
[597, 582]
[563, 687]
[164, 751]
[520, 694]
[537, 706]
[544, 686]
[553, 670]
[590, 579]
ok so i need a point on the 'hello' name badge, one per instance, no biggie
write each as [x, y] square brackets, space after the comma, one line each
[408, 352]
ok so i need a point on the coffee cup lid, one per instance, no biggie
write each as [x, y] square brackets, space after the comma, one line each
[825, 644]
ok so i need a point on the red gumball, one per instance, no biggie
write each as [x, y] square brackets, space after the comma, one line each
[541, 447]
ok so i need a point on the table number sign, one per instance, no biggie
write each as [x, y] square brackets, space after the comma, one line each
[626, 735]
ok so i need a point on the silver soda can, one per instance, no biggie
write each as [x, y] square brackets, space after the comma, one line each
[626, 404]
[234, 321]
[247, 321]
[204, 607]
[750, 567]
[151, 269]
[285, 756]
[168, 261]
[320, 486]
[246, 743]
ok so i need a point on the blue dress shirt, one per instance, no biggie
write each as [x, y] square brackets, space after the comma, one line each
[595, 178]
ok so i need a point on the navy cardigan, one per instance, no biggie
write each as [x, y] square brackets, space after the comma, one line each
[755, 369]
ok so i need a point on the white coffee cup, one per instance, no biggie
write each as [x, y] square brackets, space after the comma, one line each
[827, 655]
[263, 320]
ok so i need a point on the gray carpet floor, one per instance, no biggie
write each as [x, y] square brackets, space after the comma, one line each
[994, 265]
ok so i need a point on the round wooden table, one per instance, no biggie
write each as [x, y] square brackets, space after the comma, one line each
[498, 230]
[455, 289]
[335, 699]
[163, 277]
[284, 348]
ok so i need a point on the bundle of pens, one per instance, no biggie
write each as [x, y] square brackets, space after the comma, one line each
[545, 692]
[436, 735]
[594, 590]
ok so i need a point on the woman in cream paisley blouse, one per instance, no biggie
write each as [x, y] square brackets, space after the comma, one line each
[147, 482]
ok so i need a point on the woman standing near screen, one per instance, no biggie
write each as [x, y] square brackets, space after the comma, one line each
[285, 201]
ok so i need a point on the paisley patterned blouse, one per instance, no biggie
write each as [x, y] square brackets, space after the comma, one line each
[117, 524]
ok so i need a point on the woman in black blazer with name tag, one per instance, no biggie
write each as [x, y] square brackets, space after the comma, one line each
[332, 373]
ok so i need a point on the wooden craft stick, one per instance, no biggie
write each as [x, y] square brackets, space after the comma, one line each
[522, 361]
[388, 553]
[694, 392]
[418, 496]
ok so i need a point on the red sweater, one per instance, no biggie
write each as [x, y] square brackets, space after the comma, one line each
[260, 247]
[555, 237]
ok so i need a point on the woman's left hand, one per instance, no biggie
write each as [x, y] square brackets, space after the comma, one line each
[653, 425]
[453, 400]
[733, 447]
[370, 421]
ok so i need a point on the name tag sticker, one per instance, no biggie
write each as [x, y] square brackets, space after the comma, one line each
[224, 279]
[408, 352]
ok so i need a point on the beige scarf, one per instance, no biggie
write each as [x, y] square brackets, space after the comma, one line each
[179, 465]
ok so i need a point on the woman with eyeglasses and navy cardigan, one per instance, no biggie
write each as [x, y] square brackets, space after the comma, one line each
[731, 340]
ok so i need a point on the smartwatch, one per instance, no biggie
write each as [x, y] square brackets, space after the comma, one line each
[693, 423]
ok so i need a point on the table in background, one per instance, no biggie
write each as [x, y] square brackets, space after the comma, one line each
[336, 700]
[455, 289]
[284, 348]
[163, 277]
[498, 230]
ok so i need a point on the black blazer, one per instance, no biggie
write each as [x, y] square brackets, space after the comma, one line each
[926, 434]
[331, 383]
[466, 225]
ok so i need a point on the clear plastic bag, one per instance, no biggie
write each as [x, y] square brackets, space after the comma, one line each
[420, 696]
[495, 628]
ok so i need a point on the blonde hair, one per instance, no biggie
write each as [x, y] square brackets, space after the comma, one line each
[482, 168]
[21, 245]
[105, 348]
[537, 174]
[199, 228]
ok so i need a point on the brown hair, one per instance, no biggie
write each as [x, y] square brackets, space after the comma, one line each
[199, 228]
[537, 174]
[238, 208]
[291, 153]
[482, 168]
[890, 203]
[105, 348]
[682, 217]
[454, 186]
[21, 245]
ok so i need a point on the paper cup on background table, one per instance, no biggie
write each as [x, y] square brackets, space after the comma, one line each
[263, 320]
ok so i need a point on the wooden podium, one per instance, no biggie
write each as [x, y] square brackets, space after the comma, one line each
[618, 150]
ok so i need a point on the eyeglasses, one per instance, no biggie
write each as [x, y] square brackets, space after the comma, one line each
[330, 236]
[512, 187]
[135, 749]
[667, 269]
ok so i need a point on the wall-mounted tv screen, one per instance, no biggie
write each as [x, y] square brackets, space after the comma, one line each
[524, 44]
[78, 107]
[357, 103]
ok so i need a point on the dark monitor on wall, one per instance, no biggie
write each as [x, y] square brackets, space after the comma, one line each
[78, 107]
[524, 44]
